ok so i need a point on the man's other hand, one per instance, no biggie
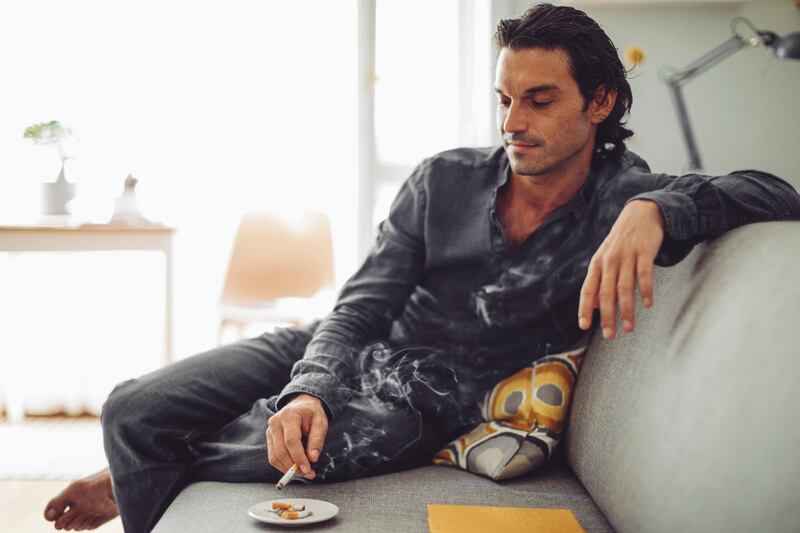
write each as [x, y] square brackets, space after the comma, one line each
[626, 254]
[302, 416]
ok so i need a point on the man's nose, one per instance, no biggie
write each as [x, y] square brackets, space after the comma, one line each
[515, 119]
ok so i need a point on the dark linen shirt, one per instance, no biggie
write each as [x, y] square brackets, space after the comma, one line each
[440, 275]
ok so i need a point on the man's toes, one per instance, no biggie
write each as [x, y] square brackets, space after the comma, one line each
[66, 519]
[80, 523]
[92, 522]
[71, 524]
[55, 507]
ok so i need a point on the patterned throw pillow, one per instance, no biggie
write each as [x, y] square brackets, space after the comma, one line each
[524, 417]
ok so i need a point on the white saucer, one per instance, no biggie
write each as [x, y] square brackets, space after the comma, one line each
[320, 511]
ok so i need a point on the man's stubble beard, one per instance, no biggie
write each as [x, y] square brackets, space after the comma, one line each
[544, 161]
[536, 166]
[528, 166]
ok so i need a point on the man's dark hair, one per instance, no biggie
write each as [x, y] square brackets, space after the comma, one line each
[594, 62]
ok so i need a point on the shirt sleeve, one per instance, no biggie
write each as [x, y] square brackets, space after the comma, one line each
[368, 303]
[697, 207]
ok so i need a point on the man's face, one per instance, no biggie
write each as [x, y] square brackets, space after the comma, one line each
[540, 111]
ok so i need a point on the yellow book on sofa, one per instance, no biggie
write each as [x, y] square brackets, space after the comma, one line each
[482, 519]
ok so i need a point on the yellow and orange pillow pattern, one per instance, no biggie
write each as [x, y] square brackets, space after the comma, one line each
[524, 418]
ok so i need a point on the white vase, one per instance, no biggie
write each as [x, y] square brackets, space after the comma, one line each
[56, 194]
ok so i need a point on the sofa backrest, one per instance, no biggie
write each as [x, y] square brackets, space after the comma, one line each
[692, 422]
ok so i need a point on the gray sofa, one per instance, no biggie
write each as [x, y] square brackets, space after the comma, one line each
[691, 423]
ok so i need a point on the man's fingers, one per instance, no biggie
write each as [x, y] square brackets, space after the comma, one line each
[608, 294]
[626, 284]
[316, 437]
[293, 439]
[644, 270]
[272, 454]
[279, 445]
[588, 295]
[270, 450]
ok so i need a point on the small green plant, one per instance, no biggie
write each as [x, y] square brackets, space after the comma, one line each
[49, 134]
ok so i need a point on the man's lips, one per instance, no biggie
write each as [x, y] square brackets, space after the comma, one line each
[520, 147]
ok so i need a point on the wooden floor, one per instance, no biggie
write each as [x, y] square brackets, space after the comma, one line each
[22, 504]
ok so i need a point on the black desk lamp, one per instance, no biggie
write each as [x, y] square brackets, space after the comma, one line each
[786, 47]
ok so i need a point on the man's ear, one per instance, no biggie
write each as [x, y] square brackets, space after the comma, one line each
[602, 105]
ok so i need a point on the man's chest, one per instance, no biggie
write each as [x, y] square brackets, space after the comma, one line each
[518, 223]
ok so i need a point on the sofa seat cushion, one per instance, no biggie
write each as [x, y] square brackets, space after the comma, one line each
[389, 503]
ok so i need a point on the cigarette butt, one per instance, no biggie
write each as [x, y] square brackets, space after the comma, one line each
[280, 506]
[287, 477]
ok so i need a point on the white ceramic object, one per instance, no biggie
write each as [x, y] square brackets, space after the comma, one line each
[56, 194]
[320, 511]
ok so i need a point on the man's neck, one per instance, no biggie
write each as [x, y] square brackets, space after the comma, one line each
[545, 193]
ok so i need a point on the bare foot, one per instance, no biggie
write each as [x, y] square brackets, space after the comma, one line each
[84, 504]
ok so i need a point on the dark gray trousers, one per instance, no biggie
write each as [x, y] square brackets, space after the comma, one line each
[205, 418]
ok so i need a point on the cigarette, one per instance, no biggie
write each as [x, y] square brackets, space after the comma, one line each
[287, 477]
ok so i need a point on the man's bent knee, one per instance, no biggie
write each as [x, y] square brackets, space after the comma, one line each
[124, 402]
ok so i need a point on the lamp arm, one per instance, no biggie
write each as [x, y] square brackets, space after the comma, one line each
[686, 128]
[706, 61]
[676, 78]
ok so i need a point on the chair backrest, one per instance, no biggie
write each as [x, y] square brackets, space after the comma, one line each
[275, 256]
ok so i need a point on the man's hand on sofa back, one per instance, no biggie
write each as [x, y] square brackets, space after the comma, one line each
[303, 416]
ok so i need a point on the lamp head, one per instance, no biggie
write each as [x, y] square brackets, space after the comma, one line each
[786, 47]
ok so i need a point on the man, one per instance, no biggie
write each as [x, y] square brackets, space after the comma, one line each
[488, 260]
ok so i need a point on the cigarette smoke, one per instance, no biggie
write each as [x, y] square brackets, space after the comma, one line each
[401, 393]
[406, 400]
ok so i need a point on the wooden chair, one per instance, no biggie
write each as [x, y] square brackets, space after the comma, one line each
[280, 271]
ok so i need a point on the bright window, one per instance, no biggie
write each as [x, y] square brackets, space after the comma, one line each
[218, 108]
